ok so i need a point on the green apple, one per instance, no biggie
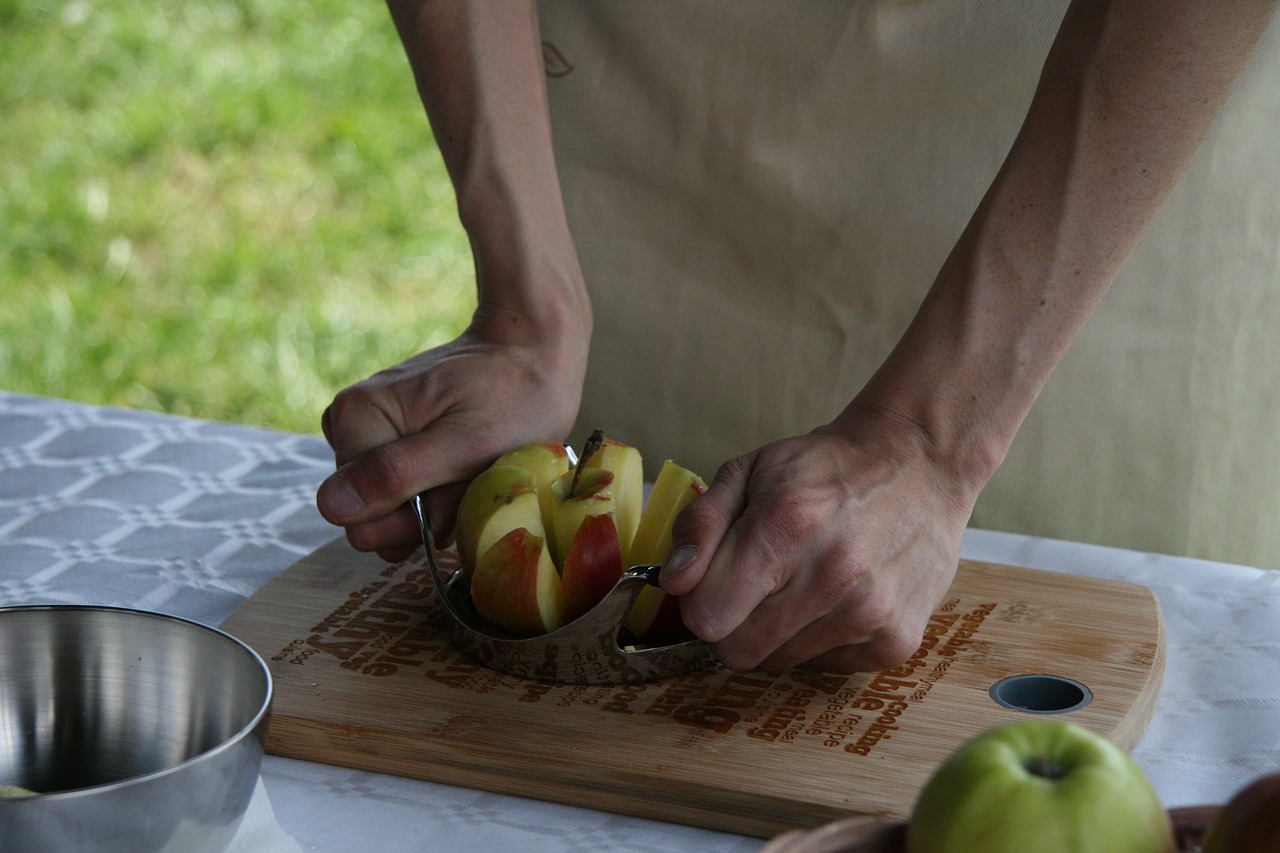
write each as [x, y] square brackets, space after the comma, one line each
[516, 586]
[1046, 786]
[656, 615]
[500, 499]
[1250, 821]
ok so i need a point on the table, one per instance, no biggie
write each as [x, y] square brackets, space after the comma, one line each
[189, 517]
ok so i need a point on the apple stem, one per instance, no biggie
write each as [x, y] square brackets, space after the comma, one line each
[594, 442]
[1046, 768]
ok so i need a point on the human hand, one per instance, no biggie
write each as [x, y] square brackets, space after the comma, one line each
[433, 422]
[830, 550]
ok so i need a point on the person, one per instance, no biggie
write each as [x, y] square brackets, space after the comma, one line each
[698, 260]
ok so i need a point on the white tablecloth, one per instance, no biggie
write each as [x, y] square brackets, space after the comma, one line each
[188, 517]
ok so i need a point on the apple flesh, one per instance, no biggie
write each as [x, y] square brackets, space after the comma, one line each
[500, 499]
[1038, 785]
[655, 616]
[516, 586]
[594, 495]
[530, 511]
[628, 485]
[1250, 821]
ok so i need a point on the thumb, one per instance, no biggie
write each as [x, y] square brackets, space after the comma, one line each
[379, 481]
[703, 524]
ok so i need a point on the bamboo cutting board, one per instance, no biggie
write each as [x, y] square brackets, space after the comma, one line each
[365, 677]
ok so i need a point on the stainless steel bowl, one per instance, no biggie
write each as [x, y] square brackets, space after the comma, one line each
[140, 732]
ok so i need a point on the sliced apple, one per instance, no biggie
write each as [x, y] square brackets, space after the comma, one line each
[675, 488]
[547, 461]
[500, 499]
[592, 565]
[516, 586]
[654, 613]
[628, 485]
[593, 495]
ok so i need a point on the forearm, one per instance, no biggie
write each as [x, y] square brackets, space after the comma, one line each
[478, 68]
[1127, 94]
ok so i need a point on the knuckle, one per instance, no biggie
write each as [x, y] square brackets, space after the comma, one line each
[891, 647]
[791, 520]
[733, 469]
[877, 614]
[698, 515]
[785, 528]
[735, 658]
[352, 401]
[390, 467]
[838, 581]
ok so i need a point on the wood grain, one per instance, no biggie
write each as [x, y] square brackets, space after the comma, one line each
[365, 678]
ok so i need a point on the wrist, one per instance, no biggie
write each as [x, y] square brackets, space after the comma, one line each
[540, 305]
[960, 382]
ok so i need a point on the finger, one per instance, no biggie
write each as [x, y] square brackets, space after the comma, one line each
[356, 422]
[397, 555]
[859, 637]
[442, 510]
[326, 424]
[739, 577]
[784, 629]
[393, 535]
[699, 529]
[874, 656]
[376, 483]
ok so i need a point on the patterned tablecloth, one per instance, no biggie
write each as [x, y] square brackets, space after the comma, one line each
[188, 517]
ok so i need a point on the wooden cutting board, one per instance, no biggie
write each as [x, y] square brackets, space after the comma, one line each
[365, 678]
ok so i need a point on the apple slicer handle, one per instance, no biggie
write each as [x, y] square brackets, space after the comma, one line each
[429, 541]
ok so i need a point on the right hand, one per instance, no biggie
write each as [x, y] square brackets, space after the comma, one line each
[434, 421]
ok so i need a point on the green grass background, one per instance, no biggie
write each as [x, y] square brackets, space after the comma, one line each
[222, 209]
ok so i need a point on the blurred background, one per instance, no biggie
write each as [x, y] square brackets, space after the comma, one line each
[222, 209]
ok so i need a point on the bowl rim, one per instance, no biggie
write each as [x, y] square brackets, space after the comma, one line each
[259, 716]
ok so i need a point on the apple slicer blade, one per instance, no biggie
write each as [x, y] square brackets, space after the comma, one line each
[585, 651]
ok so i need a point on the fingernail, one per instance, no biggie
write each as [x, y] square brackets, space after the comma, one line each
[337, 499]
[679, 560]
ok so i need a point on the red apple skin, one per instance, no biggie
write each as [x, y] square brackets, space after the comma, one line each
[1250, 822]
[592, 566]
[506, 588]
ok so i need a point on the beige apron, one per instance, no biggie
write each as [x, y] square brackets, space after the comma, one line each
[761, 193]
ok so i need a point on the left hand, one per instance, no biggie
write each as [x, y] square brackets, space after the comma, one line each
[830, 549]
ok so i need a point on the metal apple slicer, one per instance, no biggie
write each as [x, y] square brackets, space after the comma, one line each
[587, 650]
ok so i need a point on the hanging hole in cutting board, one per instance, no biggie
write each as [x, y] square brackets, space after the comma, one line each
[1041, 694]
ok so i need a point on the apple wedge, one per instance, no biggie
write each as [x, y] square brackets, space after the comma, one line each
[592, 565]
[628, 485]
[547, 461]
[516, 586]
[543, 543]
[654, 613]
[500, 499]
[593, 495]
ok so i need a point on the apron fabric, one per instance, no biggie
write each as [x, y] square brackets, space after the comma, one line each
[761, 193]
